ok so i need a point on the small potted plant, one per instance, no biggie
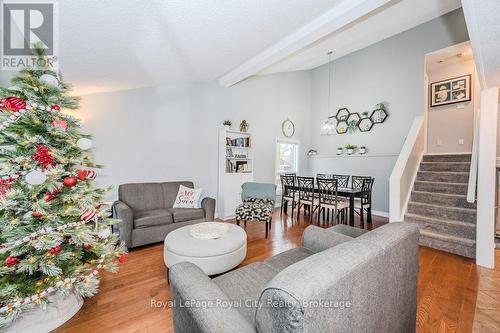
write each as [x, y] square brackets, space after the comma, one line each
[362, 150]
[340, 150]
[350, 149]
[365, 114]
[227, 124]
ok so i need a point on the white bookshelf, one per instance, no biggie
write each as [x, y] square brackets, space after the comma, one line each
[235, 168]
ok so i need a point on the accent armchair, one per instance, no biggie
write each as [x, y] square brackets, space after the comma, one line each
[258, 203]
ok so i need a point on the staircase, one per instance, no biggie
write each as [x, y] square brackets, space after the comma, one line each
[438, 205]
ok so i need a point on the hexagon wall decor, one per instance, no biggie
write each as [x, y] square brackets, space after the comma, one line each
[365, 125]
[378, 116]
[342, 114]
[341, 127]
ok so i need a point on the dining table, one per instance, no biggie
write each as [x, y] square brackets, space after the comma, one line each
[347, 192]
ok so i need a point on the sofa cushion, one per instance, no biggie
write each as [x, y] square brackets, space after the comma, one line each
[149, 218]
[246, 284]
[170, 190]
[142, 196]
[285, 259]
[186, 214]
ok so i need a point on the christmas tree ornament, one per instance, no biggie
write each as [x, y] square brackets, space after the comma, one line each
[60, 123]
[49, 196]
[82, 174]
[35, 177]
[91, 174]
[123, 258]
[84, 143]
[55, 250]
[49, 80]
[13, 103]
[37, 214]
[11, 261]
[43, 156]
[5, 186]
[88, 215]
[70, 181]
[55, 107]
[86, 246]
[104, 233]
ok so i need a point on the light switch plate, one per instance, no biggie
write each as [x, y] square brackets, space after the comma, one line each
[439, 142]
[461, 141]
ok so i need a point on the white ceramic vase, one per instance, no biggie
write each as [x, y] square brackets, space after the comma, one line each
[362, 151]
[340, 151]
[350, 151]
[227, 127]
[37, 320]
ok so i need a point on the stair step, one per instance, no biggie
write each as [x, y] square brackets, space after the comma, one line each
[457, 245]
[447, 227]
[443, 199]
[443, 176]
[448, 188]
[447, 158]
[443, 212]
[445, 166]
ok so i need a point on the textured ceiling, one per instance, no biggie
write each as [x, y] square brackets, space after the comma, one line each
[389, 20]
[122, 44]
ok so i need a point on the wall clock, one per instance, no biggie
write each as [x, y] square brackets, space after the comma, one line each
[288, 128]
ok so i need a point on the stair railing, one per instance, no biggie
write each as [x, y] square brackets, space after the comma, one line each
[405, 170]
[471, 187]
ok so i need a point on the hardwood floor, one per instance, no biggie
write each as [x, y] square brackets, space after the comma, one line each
[447, 286]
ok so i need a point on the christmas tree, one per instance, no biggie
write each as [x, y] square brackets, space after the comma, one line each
[54, 232]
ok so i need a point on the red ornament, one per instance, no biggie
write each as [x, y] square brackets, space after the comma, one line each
[87, 215]
[5, 186]
[11, 261]
[82, 174]
[91, 174]
[13, 104]
[60, 123]
[86, 246]
[55, 250]
[49, 196]
[43, 156]
[98, 206]
[37, 214]
[123, 258]
[70, 181]
[56, 107]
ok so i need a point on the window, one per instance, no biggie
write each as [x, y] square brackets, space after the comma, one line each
[287, 159]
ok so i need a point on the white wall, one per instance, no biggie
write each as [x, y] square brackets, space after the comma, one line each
[450, 123]
[171, 133]
[391, 71]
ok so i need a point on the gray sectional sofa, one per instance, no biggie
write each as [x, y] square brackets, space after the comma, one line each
[147, 214]
[333, 283]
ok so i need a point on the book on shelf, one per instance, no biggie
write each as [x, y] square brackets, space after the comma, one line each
[237, 167]
[238, 142]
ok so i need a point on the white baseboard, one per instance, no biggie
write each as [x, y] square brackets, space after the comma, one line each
[381, 214]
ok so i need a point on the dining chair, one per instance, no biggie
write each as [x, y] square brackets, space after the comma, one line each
[288, 193]
[324, 176]
[357, 181]
[306, 195]
[257, 204]
[329, 200]
[364, 202]
[343, 180]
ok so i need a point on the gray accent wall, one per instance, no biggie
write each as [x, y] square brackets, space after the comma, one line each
[391, 71]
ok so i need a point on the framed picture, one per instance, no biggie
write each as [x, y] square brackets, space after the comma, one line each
[455, 90]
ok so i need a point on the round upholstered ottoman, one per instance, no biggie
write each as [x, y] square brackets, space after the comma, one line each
[213, 256]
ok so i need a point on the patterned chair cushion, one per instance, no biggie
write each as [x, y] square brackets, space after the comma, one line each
[255, 209]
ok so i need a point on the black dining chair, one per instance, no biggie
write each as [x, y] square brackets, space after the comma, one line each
[343, 180]
[288, 193]
[364, 202]
[329, 200]
[357, 181]
[306, 195]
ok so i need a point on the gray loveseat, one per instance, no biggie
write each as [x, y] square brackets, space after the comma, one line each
[333, 283]
[147, 214]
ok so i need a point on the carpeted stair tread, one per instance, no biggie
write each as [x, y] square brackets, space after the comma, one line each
[443, 212]
[442, 199]
[445, 166]
[457, 245]
[441, 187]
[443, 176]
[447, 157]
[448, 227]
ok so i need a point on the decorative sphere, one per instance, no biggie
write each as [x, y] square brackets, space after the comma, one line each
[35, 177]
[49, 80]
[104, 233]
[84, 143]
[70, 181]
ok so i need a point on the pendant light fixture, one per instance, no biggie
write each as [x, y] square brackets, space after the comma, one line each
[328, 125]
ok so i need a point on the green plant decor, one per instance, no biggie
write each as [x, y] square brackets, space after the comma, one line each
[349, 146]
[227, 123]
[352, 126]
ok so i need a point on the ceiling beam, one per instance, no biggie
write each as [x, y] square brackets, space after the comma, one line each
[336, 18]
